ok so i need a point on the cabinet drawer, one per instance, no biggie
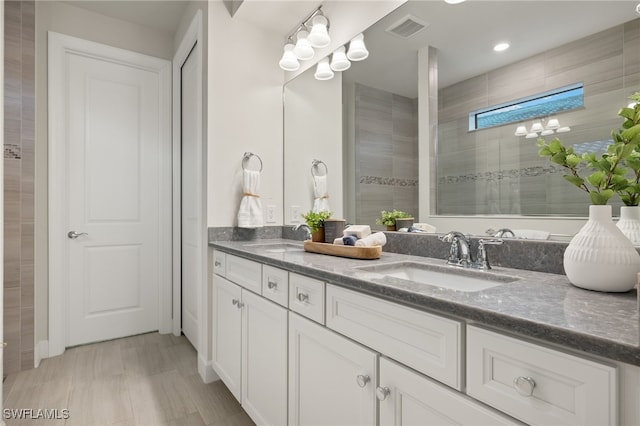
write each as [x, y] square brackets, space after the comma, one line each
[539, 385]
[275, 285]
[427, 343]
[306, 297]
[219, 260]
[245, 273]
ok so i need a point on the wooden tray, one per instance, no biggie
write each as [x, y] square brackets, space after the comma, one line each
[353, 252]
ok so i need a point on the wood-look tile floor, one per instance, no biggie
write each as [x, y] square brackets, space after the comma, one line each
[150, 379]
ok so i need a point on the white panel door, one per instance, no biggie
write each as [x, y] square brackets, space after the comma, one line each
[192, 232]
[114, 156]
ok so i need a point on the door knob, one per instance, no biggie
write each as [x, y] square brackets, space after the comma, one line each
[75, 234]
[382, 393]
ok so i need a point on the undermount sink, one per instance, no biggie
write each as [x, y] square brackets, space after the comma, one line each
[449, 277]
[277, 247]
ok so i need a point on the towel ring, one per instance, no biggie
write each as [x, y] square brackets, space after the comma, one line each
[315, 166]
[247, 156]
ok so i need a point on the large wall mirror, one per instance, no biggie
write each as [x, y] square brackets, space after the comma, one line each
[403, 133]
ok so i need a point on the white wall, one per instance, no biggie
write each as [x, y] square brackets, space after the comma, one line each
[245, 113]
[312, 136]
[67, 19]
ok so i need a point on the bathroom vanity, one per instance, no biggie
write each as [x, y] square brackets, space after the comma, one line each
[302, 338]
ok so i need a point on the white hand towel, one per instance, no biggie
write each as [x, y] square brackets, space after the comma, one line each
[377, 239]
[320, 195]
[531, 234]
[358, 231]
[338, 241]
[250, 212]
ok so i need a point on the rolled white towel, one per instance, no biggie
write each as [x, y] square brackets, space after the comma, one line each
[338, 241]
[358, 231]
[377, 239]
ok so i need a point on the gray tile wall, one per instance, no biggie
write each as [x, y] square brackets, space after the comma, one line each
[386, 153]
[19, 140]
[492, 171]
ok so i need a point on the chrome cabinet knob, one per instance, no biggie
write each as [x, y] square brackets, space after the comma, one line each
[75, 234]
[237, 303]
[362, 380]
[382, 393]
[524, 385]
[303, 297]
[272, 284]
[217, 264]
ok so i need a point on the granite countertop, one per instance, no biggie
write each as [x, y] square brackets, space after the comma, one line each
[538, 305]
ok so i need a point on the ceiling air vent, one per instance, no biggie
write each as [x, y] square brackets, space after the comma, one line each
[407, 27]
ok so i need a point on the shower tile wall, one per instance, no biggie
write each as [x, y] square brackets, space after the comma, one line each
[492, 171]
[19, 146]
[386, 153]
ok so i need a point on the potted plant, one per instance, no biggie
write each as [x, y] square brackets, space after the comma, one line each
[315, 222]
[600, 257]
[389, 218]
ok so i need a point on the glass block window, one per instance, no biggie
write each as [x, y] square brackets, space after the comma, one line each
[541, 105]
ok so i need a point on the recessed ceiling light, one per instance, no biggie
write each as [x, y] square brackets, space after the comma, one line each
[453, 1]
[500, 47]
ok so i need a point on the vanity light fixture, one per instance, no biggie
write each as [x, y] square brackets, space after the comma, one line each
[357, 49]
[539, 129]
[311, 33]
[289, 61]
[339, 61]
[323, 70]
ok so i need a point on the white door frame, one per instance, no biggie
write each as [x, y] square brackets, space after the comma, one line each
[192, 39]
[59, 46]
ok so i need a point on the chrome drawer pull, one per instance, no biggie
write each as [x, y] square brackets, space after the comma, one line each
[382, 393]
[524, 385]
[302, 297]
[272, 284]
[237, 303]
[362, 380]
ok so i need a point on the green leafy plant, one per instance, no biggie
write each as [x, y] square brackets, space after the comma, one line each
[615, 171]
[389, 218]
[315, 220]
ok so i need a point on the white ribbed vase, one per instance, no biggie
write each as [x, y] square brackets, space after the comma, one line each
[600, 257]
[629, 223]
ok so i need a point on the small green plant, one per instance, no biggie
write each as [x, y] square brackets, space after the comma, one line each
[315, 220]
[389, 218]
[615, 171]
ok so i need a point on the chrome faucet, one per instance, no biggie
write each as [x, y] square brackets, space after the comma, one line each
[501, 233]
[307, 235]
[459, 253]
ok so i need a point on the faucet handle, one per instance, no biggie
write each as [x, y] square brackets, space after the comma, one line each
[490, 241]
[483, 259]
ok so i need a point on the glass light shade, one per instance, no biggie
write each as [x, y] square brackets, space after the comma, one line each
[323, 70]
[546, 132]
[553, 124]
[454, 1]
[357, 50]
[531, 135]
[339, 61]
[521, 131]
[537, 127]
[289, 61]
[564, 129]
[303, 49]
[319, 36]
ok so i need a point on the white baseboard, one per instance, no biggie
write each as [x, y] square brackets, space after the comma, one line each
[205, 369]
[41, 352]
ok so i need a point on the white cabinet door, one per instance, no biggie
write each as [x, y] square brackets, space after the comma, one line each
[264, 360]
[326, 372]
[227, 333]
[409, 398]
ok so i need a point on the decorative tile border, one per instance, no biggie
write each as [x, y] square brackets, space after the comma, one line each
[12, 152]
[502, 174]
[387, 181]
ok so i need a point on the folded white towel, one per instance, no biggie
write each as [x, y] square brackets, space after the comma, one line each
[250, 212]
[358, 231]
[338, 241]
[320, 195]
[531, 234]
[377, 239]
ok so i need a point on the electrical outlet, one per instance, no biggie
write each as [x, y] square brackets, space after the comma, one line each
[295, 214]
[271, 214]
